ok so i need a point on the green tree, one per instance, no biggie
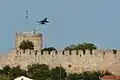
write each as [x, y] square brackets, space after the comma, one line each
[94, 75]
[3, 77]
[75, 76]
[26, 44]
[11, 73]
[6, 70]
[87, 75]
[71, 47]
[76, 47]
[106, 73]
[49, 49]
[84, 46]
[114, 51]
[4, 73]
[38, 71]
[58, 73]
[16, 72]
[90, 46]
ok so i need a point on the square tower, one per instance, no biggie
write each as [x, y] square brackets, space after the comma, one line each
[36, 38]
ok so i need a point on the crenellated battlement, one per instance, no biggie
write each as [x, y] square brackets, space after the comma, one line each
[68, 52]
[29, 34]
[73, 61]
[99, 59]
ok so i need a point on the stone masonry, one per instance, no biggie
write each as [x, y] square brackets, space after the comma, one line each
[74, 61]
[36, 38]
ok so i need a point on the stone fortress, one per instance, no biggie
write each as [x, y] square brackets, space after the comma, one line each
[75, 61]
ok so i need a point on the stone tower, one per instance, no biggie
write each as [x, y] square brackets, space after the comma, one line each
[36, 38]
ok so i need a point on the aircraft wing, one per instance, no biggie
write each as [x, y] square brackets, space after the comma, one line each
[39, 21]
[45, 19]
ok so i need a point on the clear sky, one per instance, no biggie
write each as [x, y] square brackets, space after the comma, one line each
[72, 22]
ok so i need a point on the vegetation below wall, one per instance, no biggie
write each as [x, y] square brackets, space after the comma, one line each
[42, 72]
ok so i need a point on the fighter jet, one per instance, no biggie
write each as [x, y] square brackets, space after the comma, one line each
[43, 21]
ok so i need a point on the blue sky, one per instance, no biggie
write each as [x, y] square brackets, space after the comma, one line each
[72, 22]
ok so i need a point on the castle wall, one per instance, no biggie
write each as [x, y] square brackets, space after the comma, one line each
[75, 61]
